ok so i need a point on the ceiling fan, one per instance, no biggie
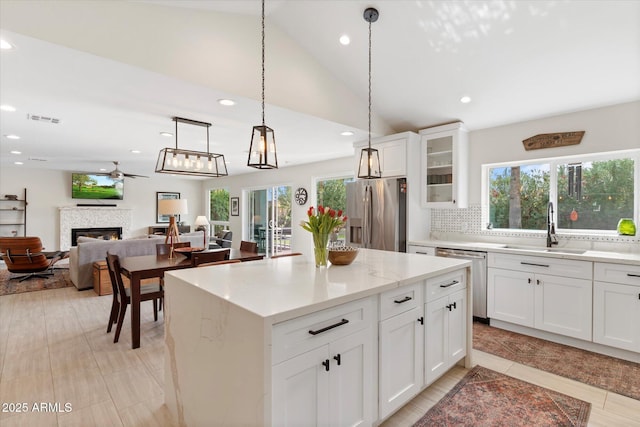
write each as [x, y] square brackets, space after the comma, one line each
[118, 174]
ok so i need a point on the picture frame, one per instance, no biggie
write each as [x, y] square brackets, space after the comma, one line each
[163, 195]
[235, 206]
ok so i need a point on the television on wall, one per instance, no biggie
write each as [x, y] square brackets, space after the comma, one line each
[96, 187]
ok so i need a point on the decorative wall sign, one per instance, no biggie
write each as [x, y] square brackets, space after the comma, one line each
[551, 140]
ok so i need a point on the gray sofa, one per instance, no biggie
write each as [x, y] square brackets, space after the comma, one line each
[88, 251]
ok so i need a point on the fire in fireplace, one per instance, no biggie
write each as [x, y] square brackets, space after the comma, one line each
[101, 233]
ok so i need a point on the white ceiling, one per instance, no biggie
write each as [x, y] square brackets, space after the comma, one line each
[517, 60]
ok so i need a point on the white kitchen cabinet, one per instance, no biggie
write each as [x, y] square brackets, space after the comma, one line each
[401, 347]
[444, 166]
[616, 305]
[540, 292]
[330, 383]
[393, 151]
[422, 250]
[445, 324]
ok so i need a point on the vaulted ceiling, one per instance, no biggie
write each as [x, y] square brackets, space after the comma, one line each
[115, 72]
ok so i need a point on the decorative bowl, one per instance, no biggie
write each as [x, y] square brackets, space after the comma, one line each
[187, 251]
[342, 255]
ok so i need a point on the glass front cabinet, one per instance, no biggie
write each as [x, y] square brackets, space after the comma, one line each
[444, 166]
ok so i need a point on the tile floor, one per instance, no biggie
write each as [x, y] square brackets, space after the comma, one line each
[54, 349]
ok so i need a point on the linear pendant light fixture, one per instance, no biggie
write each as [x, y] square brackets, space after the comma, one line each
[262, 151]
[369, 166]
[188, 162]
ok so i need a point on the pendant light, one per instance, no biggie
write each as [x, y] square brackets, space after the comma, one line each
[369, 166]
[262, 151]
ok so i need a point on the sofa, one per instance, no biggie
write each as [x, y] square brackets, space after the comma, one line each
[89, 250]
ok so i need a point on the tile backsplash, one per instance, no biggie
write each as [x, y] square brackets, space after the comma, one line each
[466, 224]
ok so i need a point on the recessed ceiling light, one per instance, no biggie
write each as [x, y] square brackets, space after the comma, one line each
[18, 163]
[5, 45]
[226, 102]
[344, 40]
[103, 170]
[346, 133]
[465, 99]
[12, 136]
[167, 134]
[7, 108]
[15, 152]
[136, 151]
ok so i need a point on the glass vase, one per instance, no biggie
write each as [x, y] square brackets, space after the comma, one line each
[320, 251]
[626, 227]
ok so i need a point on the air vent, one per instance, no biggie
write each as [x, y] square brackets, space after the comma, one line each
[44, 119]
[36, 159]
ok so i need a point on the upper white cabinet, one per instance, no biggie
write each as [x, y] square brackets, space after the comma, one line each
[444, 164]
[393, 151]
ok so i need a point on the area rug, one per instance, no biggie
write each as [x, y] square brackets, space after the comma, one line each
[60, 279]
[608, 373]
[488, 398]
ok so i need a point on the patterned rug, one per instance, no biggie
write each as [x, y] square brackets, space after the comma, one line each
[608, 373]
[488, 398]
[60, 279]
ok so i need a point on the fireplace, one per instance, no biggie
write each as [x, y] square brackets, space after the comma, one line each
[100, 233]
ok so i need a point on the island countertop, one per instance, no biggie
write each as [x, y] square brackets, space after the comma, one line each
[285, 288]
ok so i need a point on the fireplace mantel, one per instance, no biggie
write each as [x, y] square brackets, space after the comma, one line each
[88, 217]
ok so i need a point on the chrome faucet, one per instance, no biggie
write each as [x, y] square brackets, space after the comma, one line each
[552, 239]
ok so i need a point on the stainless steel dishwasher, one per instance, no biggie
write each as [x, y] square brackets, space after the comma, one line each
[478, 277]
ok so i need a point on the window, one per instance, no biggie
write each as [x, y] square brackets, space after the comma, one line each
[218, 210]
[333, 193]
[591, 192]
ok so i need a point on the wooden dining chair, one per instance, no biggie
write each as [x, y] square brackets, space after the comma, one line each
[165, 248]
[122, 296]
[248, 246]
[198, 258]
[226, 261]
[286, 255]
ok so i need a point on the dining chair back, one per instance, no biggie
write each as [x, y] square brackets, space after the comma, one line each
[165, 248]
[248, 246]
[122, 295]
[198, 258]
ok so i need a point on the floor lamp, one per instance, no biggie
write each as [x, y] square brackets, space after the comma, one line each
[172, 207]
[202, 222]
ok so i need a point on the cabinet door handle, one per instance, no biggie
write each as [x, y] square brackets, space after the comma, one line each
[421, 320]
[633, 275]
[337, 358]
[422, 253]
[534, 264]
[405, 299]
[326, 365]
[455, 282]
[453, 305]
[529, 280]
[537, 281]
[335, 325]
[448, 307]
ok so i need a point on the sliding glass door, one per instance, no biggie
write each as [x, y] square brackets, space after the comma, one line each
[269, 219]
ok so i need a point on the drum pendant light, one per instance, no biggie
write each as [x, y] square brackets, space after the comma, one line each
[369, 166]
[262, 151]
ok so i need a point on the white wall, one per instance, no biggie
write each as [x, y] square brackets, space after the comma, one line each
[606, 129]
[47, 190]
[294, 176]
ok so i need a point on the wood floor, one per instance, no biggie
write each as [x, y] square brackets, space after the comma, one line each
[54, 349]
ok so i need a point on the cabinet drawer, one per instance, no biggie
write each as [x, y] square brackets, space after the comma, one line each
[539, 264]
[399, 300]
[305, 333]
[422, 250]
[445, 284]
[617, 273]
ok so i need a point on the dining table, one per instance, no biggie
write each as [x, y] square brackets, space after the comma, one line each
[137, 268]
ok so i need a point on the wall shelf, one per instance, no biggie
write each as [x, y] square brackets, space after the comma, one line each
[13, 213]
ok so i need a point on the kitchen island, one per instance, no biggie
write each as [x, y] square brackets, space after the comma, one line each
[280, 342]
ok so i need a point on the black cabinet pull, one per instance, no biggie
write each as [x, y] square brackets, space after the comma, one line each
[405, 299]
[326, 365]
[421, 320]
[633, 275]
[448, 307]
[537, 281]
[455, 282]
[529, 280]
[534, 264]
[335, 325]
[454, 305]
[337, 358]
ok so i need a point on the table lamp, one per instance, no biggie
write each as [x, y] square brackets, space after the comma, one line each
[172, 207]
[202, 221]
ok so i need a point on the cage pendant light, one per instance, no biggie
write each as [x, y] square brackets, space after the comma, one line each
[262, 151]
[369, 166]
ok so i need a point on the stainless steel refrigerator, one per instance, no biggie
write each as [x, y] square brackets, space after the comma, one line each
[377, 213]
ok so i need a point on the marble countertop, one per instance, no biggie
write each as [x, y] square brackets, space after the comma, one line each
[284, 288]
[555, 252]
